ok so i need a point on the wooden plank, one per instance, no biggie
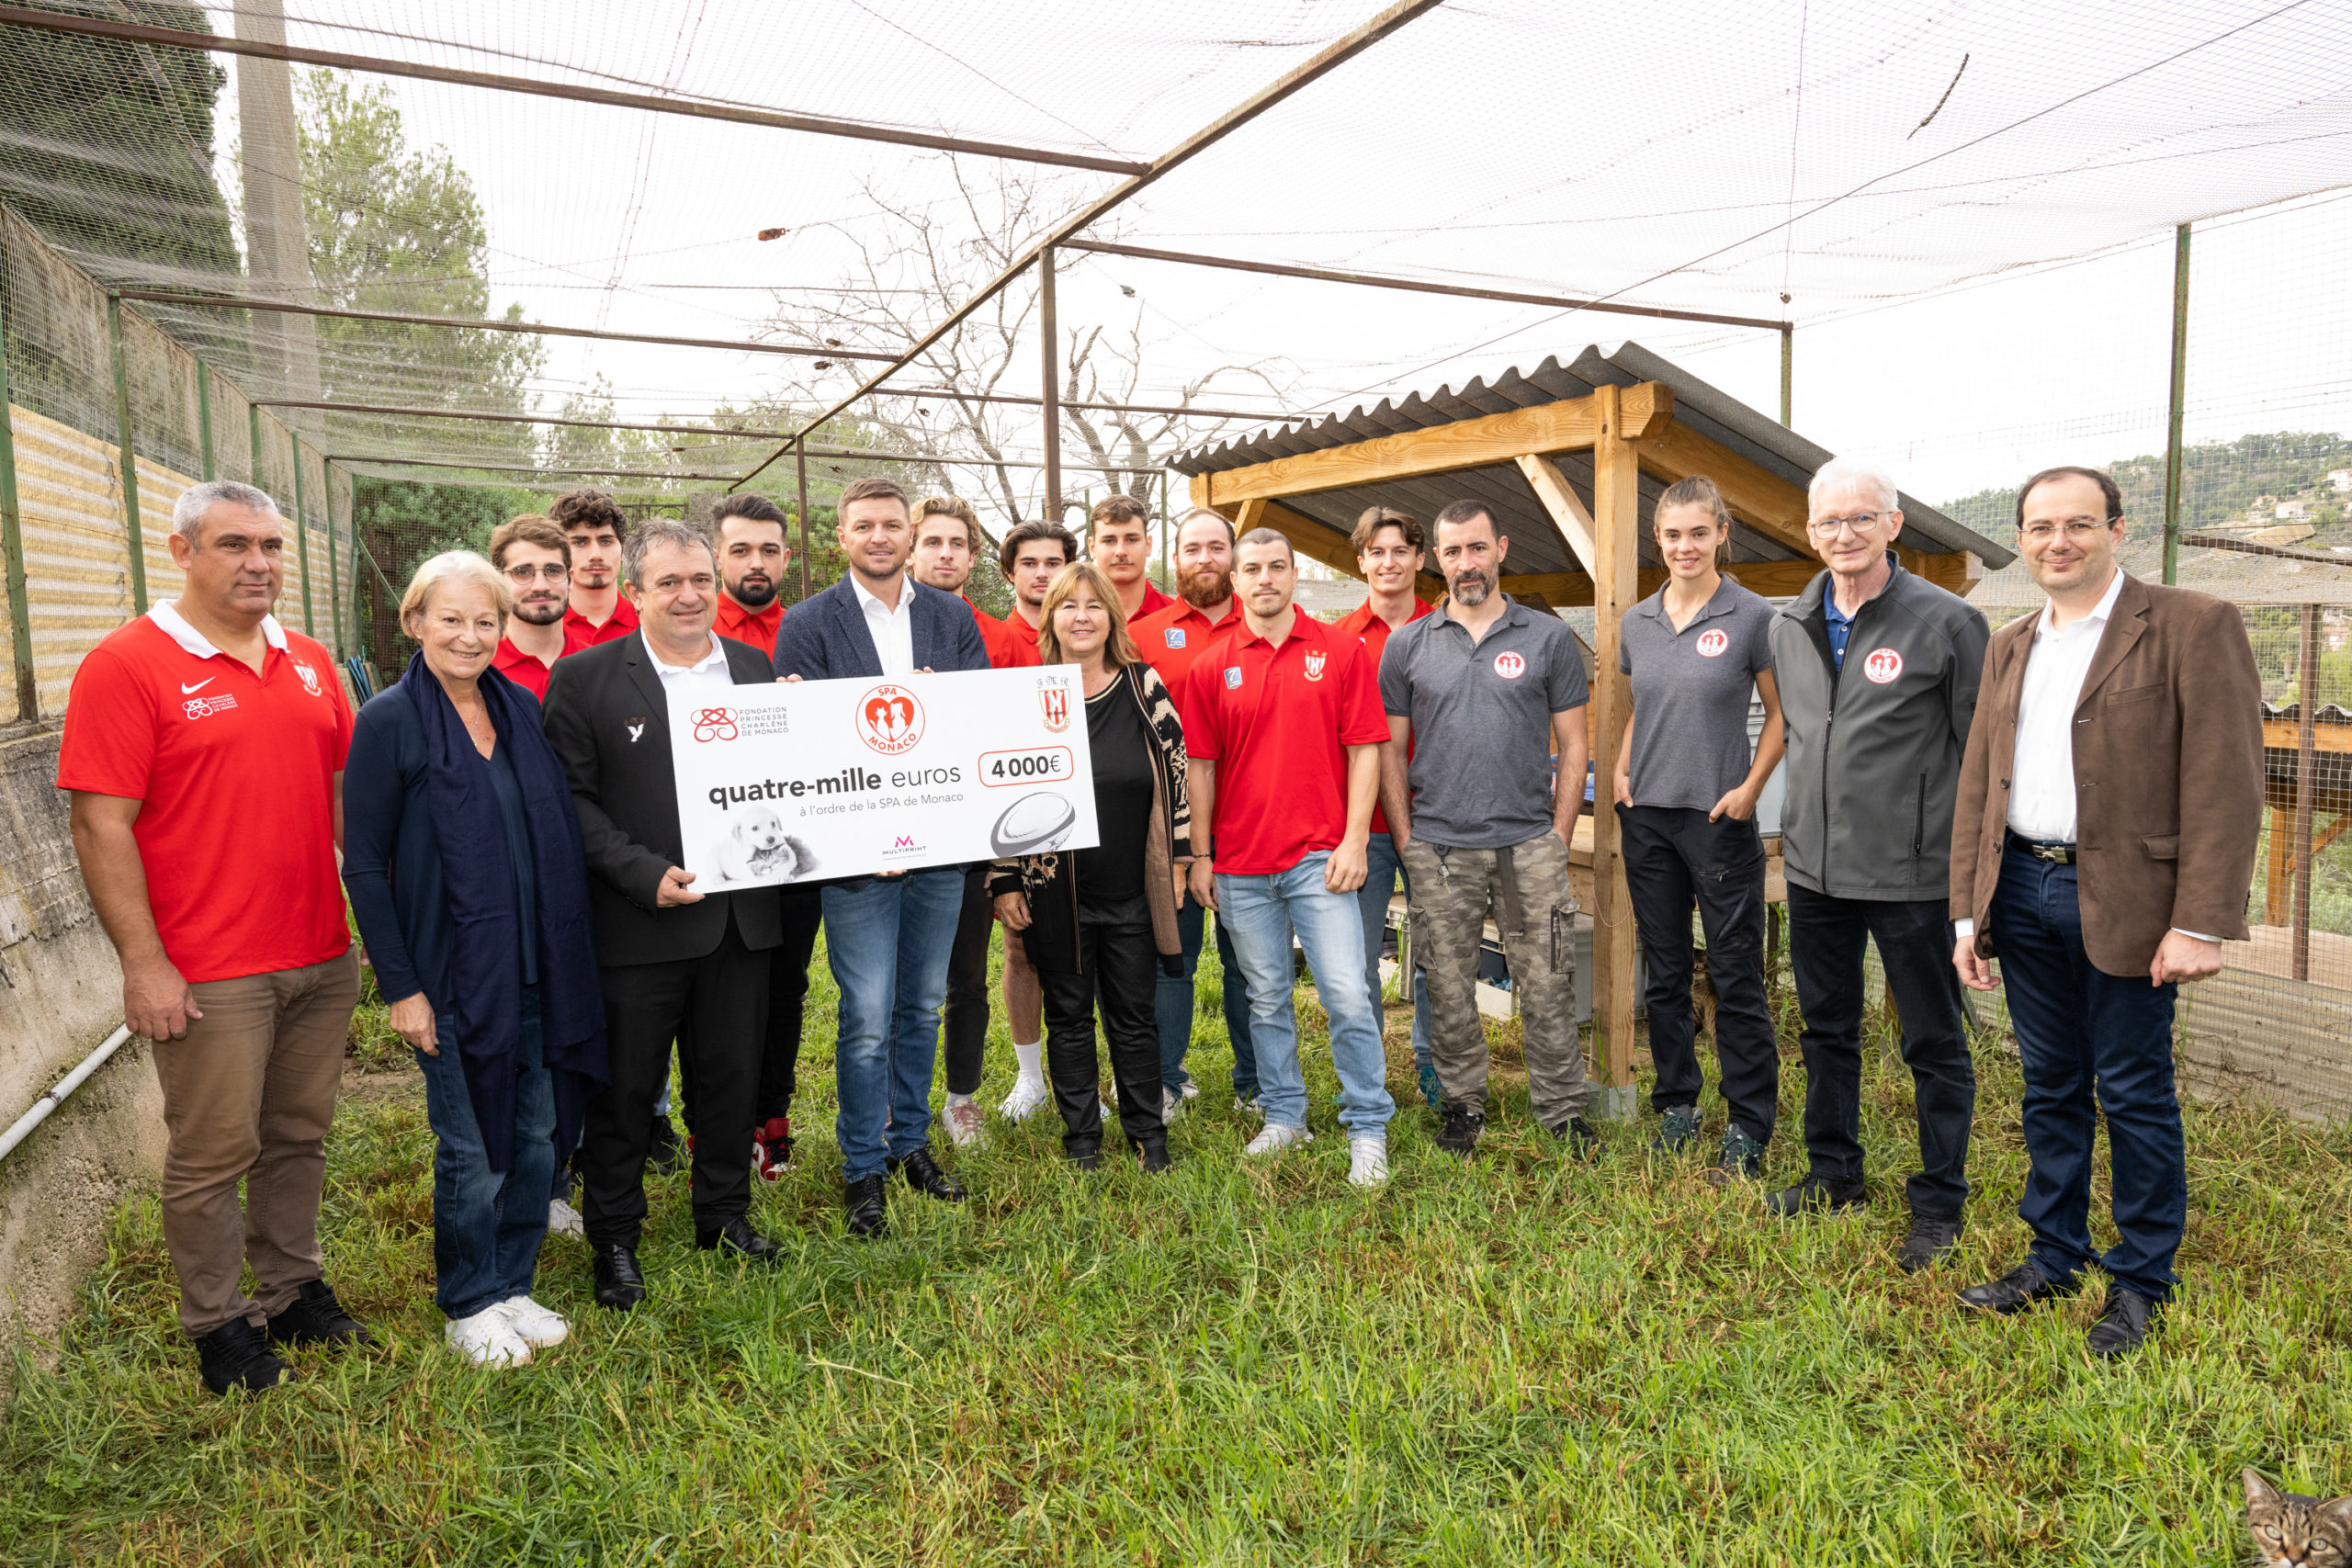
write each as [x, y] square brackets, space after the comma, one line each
[1758, 497]
[1559, 498]
[2278, 866]
[1616, 509]
[1563, 426]
[1955, 572]
[2283, 735]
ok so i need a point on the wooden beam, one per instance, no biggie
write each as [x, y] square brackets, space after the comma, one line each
[1955, 572]
[1492, 438]
[1559, 498]
[1757, 496]
[1616, 511]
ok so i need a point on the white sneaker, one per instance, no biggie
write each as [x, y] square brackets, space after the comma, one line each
[533, 1324]
[966, 1128]
[1368, 1162]
[1172, 1105]
[489, 1339]
[1248, 1103]
[1278, 1136]
[1192, 1089]
[1027, 1095]
[564, 1220]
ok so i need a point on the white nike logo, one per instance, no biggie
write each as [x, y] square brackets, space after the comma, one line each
[185, 688]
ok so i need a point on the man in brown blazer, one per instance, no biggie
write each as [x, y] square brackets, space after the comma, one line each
[2102, 849]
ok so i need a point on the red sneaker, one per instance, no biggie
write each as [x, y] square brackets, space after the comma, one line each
[772, 1149]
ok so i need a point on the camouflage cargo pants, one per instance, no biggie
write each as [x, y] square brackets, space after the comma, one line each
[1525, 888]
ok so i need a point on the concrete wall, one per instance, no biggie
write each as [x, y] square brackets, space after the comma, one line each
[60, 995]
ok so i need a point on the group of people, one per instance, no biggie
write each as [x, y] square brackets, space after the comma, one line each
[505, 819]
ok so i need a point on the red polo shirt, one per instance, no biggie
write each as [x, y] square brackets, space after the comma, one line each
[1373, 632]
[1173, 637]
[1154, 601]
[524, 669]
[754, 626]
[1277, 723]
[580, 629]
[235, 773]
[1015, 647]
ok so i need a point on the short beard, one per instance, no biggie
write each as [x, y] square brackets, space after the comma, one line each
[545, 613]
[1200, 597]
[1470, 588]
[752, 598]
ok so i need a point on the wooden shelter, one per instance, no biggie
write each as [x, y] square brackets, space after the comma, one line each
[1570, 461]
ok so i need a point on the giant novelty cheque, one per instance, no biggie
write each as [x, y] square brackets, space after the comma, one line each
[809, 780]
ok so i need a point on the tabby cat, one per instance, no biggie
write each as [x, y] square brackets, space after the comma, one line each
[2291, 1528]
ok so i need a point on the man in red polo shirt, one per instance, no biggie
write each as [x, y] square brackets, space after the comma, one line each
[1032, 556]
[749, 534]
[1283, 725]
[534, 557]
[593, 526]
[946, 549]
[1390, 547]
[204, 746]
[1119, 540]
[1171, 639]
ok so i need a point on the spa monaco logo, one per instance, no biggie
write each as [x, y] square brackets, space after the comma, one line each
[1510, 666]
[1712, 643]
[889, 720]
[715, 724]
[1055, 700]
[1883, 665]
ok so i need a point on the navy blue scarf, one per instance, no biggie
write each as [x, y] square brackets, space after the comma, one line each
[486, 958]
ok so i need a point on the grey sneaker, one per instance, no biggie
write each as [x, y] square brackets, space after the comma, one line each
[1678, 1128]
[1741, 1158]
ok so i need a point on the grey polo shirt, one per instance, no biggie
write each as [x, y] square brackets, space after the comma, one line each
[1690, 694]
[1481, 775]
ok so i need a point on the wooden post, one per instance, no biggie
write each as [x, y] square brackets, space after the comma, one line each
[204, 415]
[2307, 715]
[1616, 522]
[12, 544]
[1050, 336]
[133, 532]
[2179, 392]
[801, 462]
[2279, 870]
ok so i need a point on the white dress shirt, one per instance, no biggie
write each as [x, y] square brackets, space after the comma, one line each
[710, 675]
[893, 630]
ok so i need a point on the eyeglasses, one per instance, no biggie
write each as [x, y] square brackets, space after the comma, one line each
[553, 571]
[1830, 527]
[2079, 530]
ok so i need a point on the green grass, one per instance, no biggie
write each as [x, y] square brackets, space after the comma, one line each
[1520, 1362]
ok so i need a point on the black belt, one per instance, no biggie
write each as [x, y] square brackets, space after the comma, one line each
[2056, 853]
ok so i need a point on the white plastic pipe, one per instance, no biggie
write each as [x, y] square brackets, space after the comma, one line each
[65, 1086]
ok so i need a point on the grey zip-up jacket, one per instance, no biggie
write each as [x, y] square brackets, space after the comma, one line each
[1875, 748]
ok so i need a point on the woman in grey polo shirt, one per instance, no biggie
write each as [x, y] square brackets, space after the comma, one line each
[1686, 790]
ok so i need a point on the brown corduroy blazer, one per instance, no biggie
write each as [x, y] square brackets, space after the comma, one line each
[2167, 777]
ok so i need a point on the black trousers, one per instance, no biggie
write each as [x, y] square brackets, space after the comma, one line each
[804, 912]
[1914, 942]
[1676, 860]
[966, 1015]
[716, 1006]
[1118, 969]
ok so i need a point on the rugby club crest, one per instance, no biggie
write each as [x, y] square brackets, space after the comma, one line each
[1314, 658]
[1055, 700]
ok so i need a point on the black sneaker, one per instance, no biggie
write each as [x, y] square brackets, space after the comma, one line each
[1153, 1156]
[1741, 1158]
[663, 1152]
[1930, 1242]
[1457, 1134]
[1678, 1128]
[1817, 1195]
[237, 1355]
[315, 1317]
[1577, 1134]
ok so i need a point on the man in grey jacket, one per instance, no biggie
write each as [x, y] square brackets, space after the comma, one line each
[1878, 672]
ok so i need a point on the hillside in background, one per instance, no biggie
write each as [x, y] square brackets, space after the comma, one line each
[2235, 484]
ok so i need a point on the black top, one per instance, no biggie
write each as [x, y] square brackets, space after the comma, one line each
[1110, 876]
[510, 817]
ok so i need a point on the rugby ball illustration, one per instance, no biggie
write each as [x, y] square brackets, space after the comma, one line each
[1033, 825]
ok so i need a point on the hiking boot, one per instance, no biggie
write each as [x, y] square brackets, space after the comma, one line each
[1458, 1130]
[1816, 1195]
[237, 1355]
[1678, 1128]
[1741, 1158]
[1930, 1242]
[315, 1317]
[1583, 1142]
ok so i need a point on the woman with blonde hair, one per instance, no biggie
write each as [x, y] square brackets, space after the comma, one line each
[462, 856]
[1100, 923]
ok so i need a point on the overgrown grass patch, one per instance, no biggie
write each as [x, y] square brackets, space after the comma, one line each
[1521, 1360]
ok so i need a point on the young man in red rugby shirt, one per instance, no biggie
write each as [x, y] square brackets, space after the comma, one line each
[1119, 541]
[1391, 546]
[236, 962]
[1284, 727]
[594, 527]
[1032, 556]
[749, 533]
[535, 557]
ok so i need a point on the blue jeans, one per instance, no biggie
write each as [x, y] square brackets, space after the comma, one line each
[889, 939]
[1263, 912]
[485, 1246]
[2089, 1042]
[1171, 1006]
[1383, 871]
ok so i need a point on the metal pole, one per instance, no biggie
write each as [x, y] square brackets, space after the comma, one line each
[2179, 391]
[302, 536]
[334, 570]
[12, 544]
[133, 532]
[1163, 522]
[2307, 715]
[252, 447]
[1050, 340]
[1269, 416]
[1787, 373]
[800, 455]
[204, 414]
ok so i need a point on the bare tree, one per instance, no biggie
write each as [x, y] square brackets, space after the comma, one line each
[922, 262]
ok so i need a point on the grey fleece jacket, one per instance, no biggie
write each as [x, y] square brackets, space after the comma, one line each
[1875, 748]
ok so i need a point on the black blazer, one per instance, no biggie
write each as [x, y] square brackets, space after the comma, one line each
[825, 637]
[608, 717]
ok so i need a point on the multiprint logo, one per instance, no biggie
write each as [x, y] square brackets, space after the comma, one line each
[1883, 665]
[889, 720]
[1510, 666]
[1055, 700]
[1315, 664]
[204, 707]
[1712, 643]
[903, 841]
[715, 724]
[309, 678]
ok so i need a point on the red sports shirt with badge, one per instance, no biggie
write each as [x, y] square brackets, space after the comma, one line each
[236, 774]
[1366, 626]
[1171, 638]
[579, 628]
[1277, 722]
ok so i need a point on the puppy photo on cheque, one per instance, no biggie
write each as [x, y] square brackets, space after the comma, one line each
[756, 848]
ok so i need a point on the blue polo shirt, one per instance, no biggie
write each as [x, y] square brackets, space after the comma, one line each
[1839, 625]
